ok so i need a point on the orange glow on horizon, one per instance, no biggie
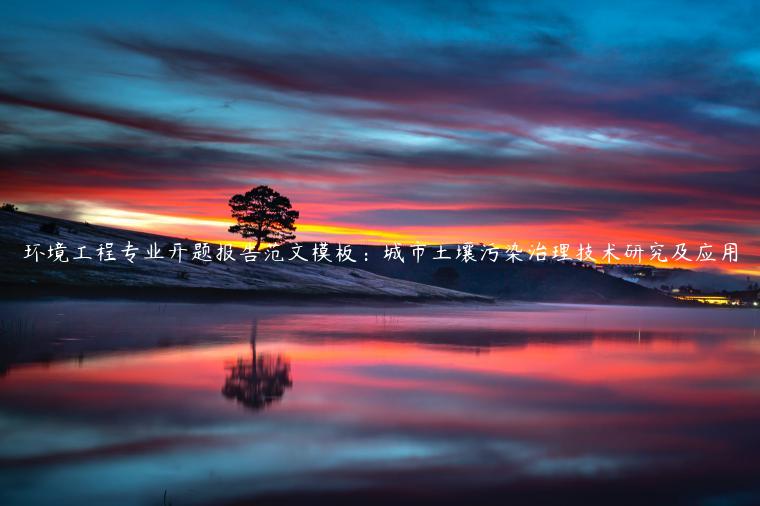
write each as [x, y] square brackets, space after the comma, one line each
[212, 228]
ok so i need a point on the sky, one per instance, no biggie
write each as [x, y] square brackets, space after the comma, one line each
[429, 122]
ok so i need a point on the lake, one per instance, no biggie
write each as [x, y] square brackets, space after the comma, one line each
[112, 402]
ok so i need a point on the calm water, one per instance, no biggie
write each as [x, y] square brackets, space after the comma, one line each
[117, 402]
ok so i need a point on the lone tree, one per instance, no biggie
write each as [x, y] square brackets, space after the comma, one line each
[264, 214]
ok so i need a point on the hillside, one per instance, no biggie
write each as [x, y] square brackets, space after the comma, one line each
[705, 280]
[525, 281]
[371, 276]
[167, 278]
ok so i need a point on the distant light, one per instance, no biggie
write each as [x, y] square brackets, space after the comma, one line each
[755, 303]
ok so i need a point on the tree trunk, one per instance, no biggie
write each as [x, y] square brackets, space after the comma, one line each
[259, 233]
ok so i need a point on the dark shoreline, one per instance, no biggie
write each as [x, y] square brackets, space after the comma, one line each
[10, 292]
[210, 295]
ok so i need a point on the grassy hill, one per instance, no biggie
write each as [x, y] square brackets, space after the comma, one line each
[168, 278]
[371, 276]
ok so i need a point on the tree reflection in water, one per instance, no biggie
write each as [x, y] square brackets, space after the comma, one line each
[260, 381]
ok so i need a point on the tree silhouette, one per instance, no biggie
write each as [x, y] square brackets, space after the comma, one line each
[264, 214]
[261, 381]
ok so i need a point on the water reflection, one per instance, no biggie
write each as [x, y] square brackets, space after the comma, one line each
[260, 381]
[514, 404]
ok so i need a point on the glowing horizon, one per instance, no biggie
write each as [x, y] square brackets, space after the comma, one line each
[214, 230]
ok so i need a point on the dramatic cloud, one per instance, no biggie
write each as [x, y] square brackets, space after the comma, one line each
[440, 122]
[127, 119]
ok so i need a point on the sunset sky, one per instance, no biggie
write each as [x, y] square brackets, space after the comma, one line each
[421, 122]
